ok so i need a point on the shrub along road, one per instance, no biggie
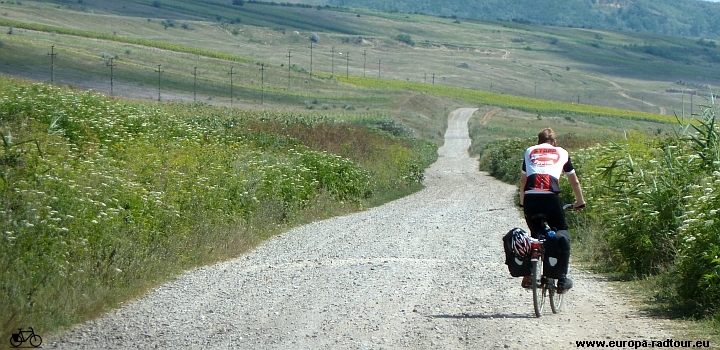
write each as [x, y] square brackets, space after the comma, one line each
[422, 272]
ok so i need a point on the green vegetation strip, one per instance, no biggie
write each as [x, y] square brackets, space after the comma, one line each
[502, 100]
[116, 38]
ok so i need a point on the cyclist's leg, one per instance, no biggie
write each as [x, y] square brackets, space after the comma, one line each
[554, 210]
[534, 204]
[562, 249]
[548, 204]
[559, 247]
[556, 220]
[561, 244]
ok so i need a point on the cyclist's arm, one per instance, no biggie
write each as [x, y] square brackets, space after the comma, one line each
[577, 190]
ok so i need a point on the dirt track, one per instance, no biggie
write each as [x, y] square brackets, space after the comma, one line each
[422, 272]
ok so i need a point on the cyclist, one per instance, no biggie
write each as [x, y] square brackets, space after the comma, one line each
[542, 167]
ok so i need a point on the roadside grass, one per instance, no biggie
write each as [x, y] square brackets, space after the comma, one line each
[653, 295]
[105, 198]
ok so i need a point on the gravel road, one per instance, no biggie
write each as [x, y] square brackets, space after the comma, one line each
[422, 272]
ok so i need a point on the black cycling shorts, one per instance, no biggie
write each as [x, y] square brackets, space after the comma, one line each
[548, 204]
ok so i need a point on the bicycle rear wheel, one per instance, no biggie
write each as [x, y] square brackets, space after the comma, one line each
[15, 341]
[556, 299]
[537, 288]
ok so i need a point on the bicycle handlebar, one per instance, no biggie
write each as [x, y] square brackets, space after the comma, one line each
[571, 205]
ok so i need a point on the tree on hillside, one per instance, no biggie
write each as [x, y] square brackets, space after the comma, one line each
[405, 38]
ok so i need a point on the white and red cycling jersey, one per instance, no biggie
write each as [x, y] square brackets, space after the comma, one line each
[544, 164]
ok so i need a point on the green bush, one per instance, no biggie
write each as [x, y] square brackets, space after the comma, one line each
[657, 200]
[405, 38]
[699, 249]
[502, 159]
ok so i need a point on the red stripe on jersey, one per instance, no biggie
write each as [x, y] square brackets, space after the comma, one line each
[542, 182]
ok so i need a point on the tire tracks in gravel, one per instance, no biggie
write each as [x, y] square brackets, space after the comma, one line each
[423, 272]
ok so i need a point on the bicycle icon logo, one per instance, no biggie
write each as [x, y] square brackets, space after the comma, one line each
[16, 339]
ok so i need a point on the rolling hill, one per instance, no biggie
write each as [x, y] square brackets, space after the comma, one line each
[629, 70]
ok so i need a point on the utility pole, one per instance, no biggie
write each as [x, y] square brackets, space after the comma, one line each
[52, 55]
[691, 104]
[111, 64]
[231, 86]
[364, 61]
[195, 84]
[379, 59]
[425, 81]
[535, 93]
[289, 56]
[262, 82]
[311, 58]
[159, 71]
[433, 78]
[347, 65]
[332, 60]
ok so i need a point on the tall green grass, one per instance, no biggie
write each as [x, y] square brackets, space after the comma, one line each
[102, 199]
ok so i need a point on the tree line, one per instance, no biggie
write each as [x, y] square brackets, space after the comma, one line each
[692, 18]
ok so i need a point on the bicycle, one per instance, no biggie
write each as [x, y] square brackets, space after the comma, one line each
[541, 285]
[16, 339]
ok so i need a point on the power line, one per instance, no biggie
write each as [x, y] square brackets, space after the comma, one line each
[52, 55]
[289, 56]
[231, 85]
[364, 61]
[311, 58]
[159, 72]
[111, 64]
[262, 82]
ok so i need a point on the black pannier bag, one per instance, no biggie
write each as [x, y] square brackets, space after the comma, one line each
[518, 268]
[557, 252]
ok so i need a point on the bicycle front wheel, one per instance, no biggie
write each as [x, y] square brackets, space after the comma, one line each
[556, 299]
[35, 340]
[537, 288]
